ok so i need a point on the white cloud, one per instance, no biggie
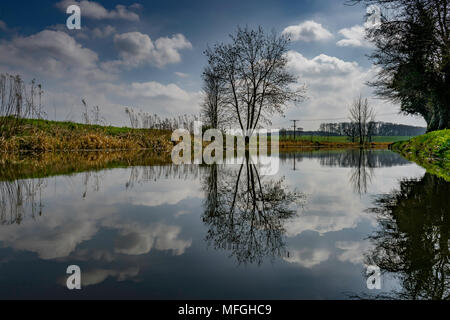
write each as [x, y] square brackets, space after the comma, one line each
[69, 71]
[321, 65]
[104, 32]
[354, 37]
[94, 10]
[333, 83]
[152, 89]
[52, 53]
[308, 31]
[166, 100]
[136, 49]
[181, 74]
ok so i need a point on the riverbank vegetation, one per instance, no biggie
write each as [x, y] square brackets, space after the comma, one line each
[42, 135]
[431, 151]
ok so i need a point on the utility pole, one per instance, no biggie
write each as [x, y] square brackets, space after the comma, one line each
[295, 127]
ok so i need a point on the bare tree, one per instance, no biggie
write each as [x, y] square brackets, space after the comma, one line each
[213, 110]
[362, 115]
[256, 81]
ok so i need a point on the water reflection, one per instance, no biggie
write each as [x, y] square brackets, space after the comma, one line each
[346, 158]
[126, 221]
[412, 242]
[17, 198]
[246, 213]
[362, 171]
[362, 163]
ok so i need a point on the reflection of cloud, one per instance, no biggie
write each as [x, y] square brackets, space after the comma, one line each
[308, 257]
[68, 222]
[97, 276]
[136, 239]
[353, 250]
[332, 206]
[170, 193]
[93, 254]
[317, 219]
[49, 240]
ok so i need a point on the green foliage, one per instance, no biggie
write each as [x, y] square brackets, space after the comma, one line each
[413, 51]
[431, 151]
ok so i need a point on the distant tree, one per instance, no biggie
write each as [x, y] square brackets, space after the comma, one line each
[350, 130]
[256, 81]
[361, 115]
[413, 50]
[374, 129]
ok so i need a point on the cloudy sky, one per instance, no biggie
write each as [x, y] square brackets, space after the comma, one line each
[149, 54]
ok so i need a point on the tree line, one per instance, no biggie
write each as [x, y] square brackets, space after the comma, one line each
[376, 129]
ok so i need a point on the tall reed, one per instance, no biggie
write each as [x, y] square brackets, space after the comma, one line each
[18, 101]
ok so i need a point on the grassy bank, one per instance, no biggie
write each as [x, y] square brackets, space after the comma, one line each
[44, 135]
[431, 151]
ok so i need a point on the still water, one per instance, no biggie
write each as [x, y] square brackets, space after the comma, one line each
[227, 232]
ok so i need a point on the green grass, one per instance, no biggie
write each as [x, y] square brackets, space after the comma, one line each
[50, 126]
[45, 135]
[341, 139]
[431, 151]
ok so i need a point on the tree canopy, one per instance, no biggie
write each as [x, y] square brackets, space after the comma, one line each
[413, 50]
[247, 80]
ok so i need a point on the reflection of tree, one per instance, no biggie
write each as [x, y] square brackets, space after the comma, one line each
[19, 197]
[362, 172]
[346, 159]
[146, 174]
[413, 241]
[246, 214]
